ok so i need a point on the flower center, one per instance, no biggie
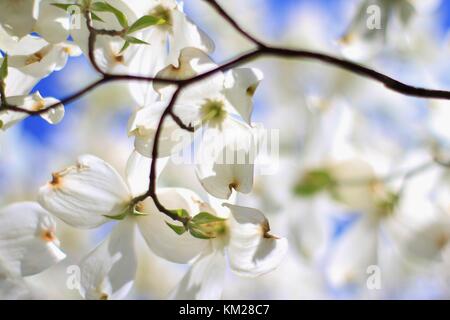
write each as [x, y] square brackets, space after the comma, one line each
[162, 13]
[213, 112]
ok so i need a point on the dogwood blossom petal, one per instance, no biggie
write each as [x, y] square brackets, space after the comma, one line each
[144, 123]
[252, 250]
[37, 58]
[429, 242]
[360, 196]
[28, 244]
[354, 253]
[34, 102]
[187, 34]
[225, 160]
[191, 62]
[14, 289]
[138, 172]
[52, 23]
[205, 279]
[81, 195]
[108, 272]
[160, 238]
[17, 17]
[18, 83]
[241, 85]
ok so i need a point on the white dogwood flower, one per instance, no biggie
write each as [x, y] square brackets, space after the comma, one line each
[227, 147]
[36, 57]
[28, 244]
[22, 17]
[178, 31]
[17, 85]
[370, 27]
[359, 188]
[245, 239]
[91, 193]
[34, 102]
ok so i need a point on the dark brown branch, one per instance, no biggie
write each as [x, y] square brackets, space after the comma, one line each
[91, 41]
[216, 6]
[168, 111]
[188, 127]
[260, 50]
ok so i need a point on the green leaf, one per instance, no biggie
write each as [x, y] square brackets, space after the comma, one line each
[199, 234]
[145, 22]
[4, 68]
[125, 47]
[134, 40]
[96, 17]
[313, 182]
[206, 226]
[106, 7]
[64, 6]
[178, 229]
[181, 213]
[119, 216]
[129, 41]
[389, 203]
[205, 218]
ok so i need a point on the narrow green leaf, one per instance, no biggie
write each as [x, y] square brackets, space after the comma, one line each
[64, 6]
[180, 213]
[119, 216]
[106, 7]
[178, 229]
[145, 22]
[313, 182]
[198, 233]
[134, 40]
[125, 47]
[204, 218]
[4, 68]
[96, 17]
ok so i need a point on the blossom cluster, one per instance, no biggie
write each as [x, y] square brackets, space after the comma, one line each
[150, 38]
[361, 190]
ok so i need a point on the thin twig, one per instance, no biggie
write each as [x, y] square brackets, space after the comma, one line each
[260, 50]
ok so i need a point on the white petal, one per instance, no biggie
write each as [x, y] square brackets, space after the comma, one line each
[252, 250]
[225, 159]
[33, 102]
[359, 196]
[28, 244]
[205, 279]
[147, 62]
[37, 58]
[55, 115]
[53, 23]
[189, 63]
[81, 195]
[187, 34]
[144, 123]
[17, 17]
[108, 272]
[354, 253]
[162, 240]
[14, 289]
[428, 243]
[10, 118]
[240, 86]
[19, 83]
[138, 172]
[360, 42]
